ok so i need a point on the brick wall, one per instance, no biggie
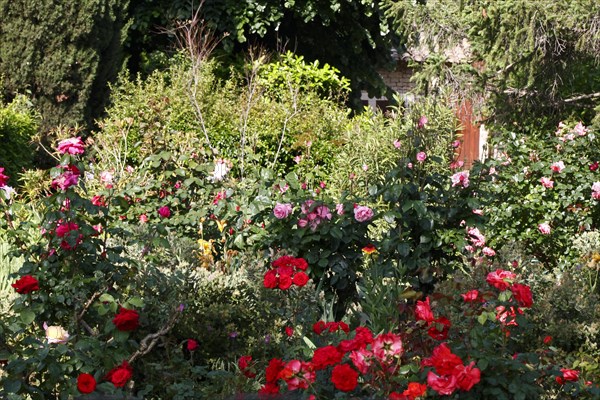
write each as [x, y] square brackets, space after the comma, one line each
[399, 79]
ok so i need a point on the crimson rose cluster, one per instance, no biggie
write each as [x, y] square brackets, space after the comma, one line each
[284, 272]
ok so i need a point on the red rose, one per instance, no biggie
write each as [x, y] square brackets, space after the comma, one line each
[522, 294]
[363, 336]
[319, 327]
[164, 212]
[126, 320]
[567, 375]
[269, 388]
[423, 311]
[439, 328]
[444, 385]
[442, 359]
[243, 364]
[415, 389]
[273, 369]
[548, 340]
[285, 281]
[3, 178]
[86, 383]
[471, 296]
[26, 284]
[270, 279]
[300, 279]
[500, 279]
[192, 345]
[120, 375]
[466, 376]
[289, 331]
[344, 377]
[326, 356]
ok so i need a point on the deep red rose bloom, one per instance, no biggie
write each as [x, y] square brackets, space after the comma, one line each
[244, 361]
[86, 383]
[270, 279]
[120, 375]
[126, 320]
[164, 212]
[344, 327]
[63, 229]
[442, 359]
[522, 294]
[285, 281]
[192, 345]
[289, 331]
[467, 376]
[319, 327]
[594, 166]
[500, 279]
[26, 284]
[273, 369]
[439, 328]
[332, 326]
[326, 356]
[399, 396]
[423, 311]
[363, 336]
[269, 388]
[444, 385]
[300, 279]
[300, 263]
[344, 377]
[548, 340]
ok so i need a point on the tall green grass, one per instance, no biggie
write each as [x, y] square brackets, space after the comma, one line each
[8, 265]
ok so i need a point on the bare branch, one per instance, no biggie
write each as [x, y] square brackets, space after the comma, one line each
[151, 339]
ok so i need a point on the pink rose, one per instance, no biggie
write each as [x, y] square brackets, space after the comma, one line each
[456, 143]
[500, 279]
[339, 209]
[71, 146]
[557, 167]
[282, 211]
[547, 183]
[164, 212]
[363, 213]
[444, 385]
[488, 252]
[460, 179]
[421, 156]
[143, 218]
[544, 228]
[422, 122]
[397, 144]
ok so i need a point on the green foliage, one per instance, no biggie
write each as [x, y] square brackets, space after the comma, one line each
[518, 201]
[523, 60]
[65, 59]
[292, 70]
[18, 125]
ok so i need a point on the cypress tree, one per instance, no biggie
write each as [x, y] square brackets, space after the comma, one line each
[63, 53]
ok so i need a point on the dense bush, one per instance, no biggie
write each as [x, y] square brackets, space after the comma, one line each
[18, 125]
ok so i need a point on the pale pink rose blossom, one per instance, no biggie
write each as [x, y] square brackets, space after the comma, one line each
[129, 169]
[457, 164]
[363, 213]
[544, 228]
[282, 210]
[456, 143]
[421, 156]
[470, 248]
[476, 237]
[106, 177]
[557, 167]
[143, 218]
[596, 191]
[478, 212]
[297, 159]
[460, 179]
[339, 209]
[488, 252]
[397, 144]
[305, 208]
[365, 167]
[580, 129]
[422, 122]
[323, 212]
[547, 183]
[409, 165]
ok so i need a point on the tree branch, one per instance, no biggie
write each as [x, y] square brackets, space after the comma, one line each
[582, 97]
[151, 339]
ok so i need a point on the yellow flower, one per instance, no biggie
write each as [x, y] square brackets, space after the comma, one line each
[205, 246]
[221, 225]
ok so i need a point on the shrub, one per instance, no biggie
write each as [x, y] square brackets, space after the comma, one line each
[18, 125]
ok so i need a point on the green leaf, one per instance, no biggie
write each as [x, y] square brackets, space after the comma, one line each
[27, 316]
[482, 318]
[309, 343]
